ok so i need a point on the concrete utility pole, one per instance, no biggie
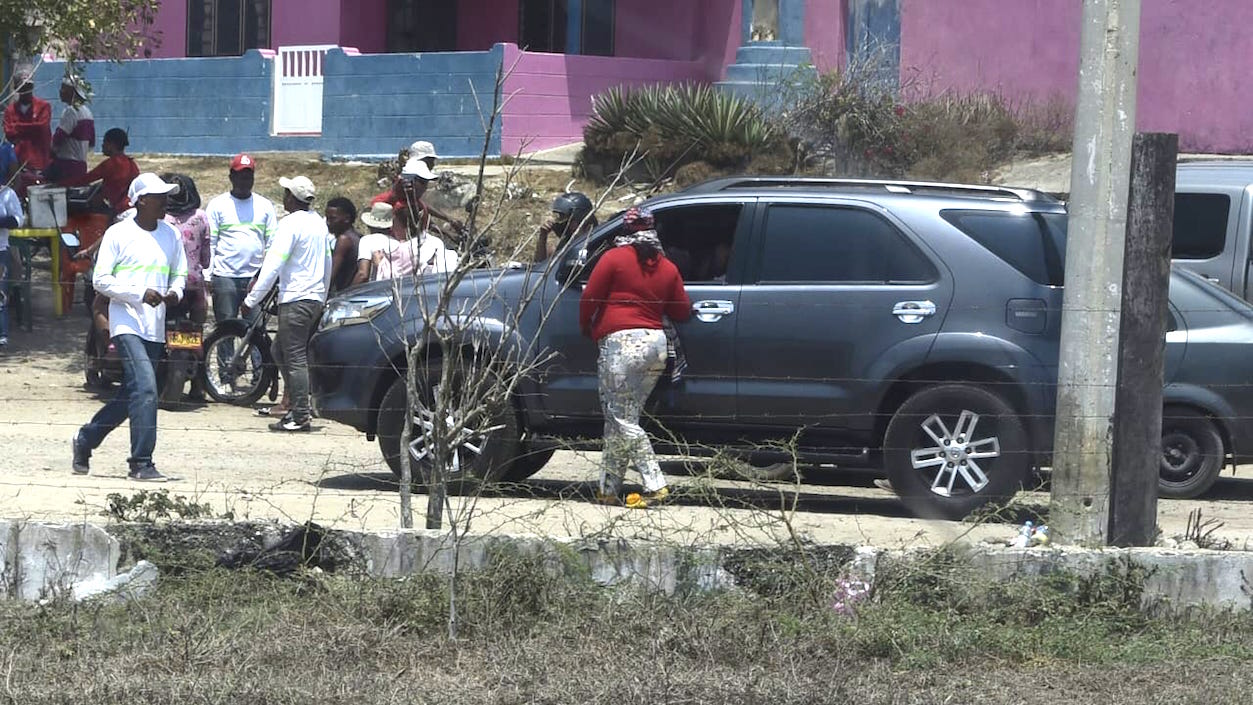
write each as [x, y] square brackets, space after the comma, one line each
[1105, 117]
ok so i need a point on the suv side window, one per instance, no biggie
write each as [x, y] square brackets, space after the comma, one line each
[1032, 243]
[833, 244]
[697, 237]
[1200, 225]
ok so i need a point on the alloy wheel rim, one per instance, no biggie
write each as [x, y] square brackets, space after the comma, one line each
[467, 446]
[956, 454]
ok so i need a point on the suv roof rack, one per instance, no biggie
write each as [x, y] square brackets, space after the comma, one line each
[891, 186]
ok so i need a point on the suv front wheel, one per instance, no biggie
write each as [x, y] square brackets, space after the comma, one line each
[482, 452]
[952, 448]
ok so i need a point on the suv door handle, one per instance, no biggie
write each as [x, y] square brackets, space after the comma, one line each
[712, 310]
[913, 311]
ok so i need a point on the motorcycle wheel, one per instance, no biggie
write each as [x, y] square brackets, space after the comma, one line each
[91, 365]
[245, 384]
[170, 384]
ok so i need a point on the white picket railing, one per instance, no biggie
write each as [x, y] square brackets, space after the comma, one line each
[297, 107]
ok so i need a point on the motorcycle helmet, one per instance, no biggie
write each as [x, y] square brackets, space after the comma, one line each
[573, 207]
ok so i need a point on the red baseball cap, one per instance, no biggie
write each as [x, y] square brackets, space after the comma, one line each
[243, 161]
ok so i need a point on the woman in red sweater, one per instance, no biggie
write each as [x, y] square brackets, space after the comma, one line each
[631, 289]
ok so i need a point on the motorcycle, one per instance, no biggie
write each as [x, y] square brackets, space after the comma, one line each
[238, 366]
[183, 355]
[87, 218]
[100, 371]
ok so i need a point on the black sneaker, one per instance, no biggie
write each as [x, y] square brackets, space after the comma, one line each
[82, 455]
[146, 473]
[291, 424]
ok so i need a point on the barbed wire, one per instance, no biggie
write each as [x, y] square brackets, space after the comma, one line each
[854, 456]
[816, 299]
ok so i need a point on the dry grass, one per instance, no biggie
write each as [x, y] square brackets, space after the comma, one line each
[530, 637]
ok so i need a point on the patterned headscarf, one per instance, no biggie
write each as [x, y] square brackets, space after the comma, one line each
[636, 219]
[639, 227]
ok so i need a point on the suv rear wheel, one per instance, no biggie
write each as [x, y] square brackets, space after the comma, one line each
[483, 452]
[951, 448]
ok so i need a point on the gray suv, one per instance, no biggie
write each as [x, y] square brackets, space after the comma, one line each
[909, 326]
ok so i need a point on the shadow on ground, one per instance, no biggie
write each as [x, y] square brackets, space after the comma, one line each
[49, 337]
[731, 496]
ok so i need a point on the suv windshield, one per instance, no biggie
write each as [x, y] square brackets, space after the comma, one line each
[1032, 243]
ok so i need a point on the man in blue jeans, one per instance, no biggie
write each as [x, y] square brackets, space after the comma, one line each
[141, 267]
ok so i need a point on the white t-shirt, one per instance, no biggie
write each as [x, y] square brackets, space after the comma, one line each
[79, 130]
[132, 260]
[238, 234]
[299, 257]
[9, 205]
[423, 256]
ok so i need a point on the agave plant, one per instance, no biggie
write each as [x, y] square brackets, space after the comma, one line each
[691, 114]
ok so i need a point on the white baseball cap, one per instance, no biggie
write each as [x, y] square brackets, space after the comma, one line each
[417, 167]
[422, 150]
[147, 184]
[301, 187]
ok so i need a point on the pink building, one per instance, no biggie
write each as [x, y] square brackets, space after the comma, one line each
[679, 30]
[561, 52]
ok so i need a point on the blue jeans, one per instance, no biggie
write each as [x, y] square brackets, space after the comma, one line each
[228, 294]
[136, 400]
[4, 293]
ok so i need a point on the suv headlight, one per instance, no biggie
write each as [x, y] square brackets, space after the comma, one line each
[354, 310]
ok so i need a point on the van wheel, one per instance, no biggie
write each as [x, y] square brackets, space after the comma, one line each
[1192, 454]
[952, 448]
[483, 451]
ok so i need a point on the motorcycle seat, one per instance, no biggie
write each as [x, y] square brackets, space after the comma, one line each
[79, 199]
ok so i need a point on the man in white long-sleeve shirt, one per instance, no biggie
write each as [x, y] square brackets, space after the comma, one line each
[10, 217]
[240, 224]
[299, 259]
[141, 267]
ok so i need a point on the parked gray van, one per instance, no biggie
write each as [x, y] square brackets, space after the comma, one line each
[1214, 222]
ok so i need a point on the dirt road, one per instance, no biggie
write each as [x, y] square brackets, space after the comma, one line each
[223, 456]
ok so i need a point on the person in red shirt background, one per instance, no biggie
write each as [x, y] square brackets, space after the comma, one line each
[632, 289]
[117, 171]
[415, 177]
[28, 123]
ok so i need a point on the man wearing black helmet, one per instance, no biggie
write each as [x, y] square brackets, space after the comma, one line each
[572, 215]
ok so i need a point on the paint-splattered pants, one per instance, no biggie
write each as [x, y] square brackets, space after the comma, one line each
[630, 363]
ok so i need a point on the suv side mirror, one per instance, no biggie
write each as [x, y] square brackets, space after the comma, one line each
[571, 266]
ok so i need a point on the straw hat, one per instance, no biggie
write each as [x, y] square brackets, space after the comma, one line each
[379, 216]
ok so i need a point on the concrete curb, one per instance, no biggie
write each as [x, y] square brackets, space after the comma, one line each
[42, 559]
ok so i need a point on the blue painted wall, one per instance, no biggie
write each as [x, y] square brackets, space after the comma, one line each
[372, 105]
[181, 106]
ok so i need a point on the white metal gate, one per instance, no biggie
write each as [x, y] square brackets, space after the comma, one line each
[298, 90]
